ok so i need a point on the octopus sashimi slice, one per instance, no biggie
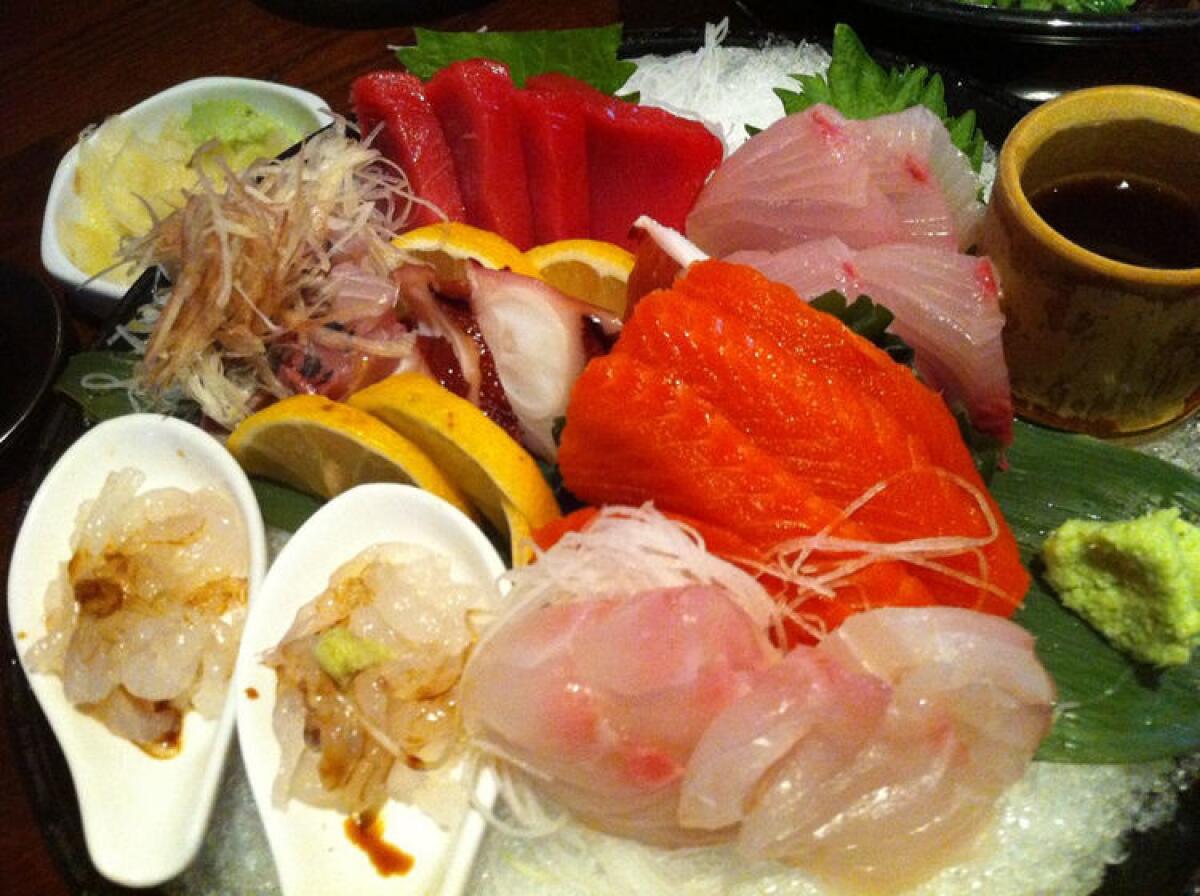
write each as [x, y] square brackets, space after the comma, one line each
[601, 701]
[969, 705]
[536, 338]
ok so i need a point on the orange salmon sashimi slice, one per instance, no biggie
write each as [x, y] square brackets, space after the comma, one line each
[730, 400]
[818, 422]
[840, 440]
[739, 292]
[636, 433]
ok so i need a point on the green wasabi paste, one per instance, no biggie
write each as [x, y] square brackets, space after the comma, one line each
[1136, 581]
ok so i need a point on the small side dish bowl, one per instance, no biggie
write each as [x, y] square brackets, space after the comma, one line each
[311, 848]
[143, 818]
[298, 109]
[1102, 329]
[33, 340]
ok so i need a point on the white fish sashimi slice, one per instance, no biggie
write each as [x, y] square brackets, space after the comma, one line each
[813, 156]
[805, 177]
[947, 307]
[931, 182]
[623, 688]
[807, 705]
[965, 686]
[895, 178]
[809, 268]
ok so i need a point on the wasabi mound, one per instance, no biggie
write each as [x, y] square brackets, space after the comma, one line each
[1136, 581]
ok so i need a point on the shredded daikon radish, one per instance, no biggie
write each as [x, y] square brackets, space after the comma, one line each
[726, 87]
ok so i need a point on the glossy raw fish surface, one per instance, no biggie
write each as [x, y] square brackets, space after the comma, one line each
[729, 384]
[606, 699]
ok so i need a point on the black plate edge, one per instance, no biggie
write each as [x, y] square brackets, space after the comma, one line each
[1050, 27]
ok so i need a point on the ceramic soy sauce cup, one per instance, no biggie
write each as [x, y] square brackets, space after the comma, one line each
[1094, 228]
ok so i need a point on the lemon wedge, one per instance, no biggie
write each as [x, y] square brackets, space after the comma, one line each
[497, 474]
[589, 270]
[324, 448]
[447, 247]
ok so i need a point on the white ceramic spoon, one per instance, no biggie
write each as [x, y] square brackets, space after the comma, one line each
[310, 846]
[143, 818]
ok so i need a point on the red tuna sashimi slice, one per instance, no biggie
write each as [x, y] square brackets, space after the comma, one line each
[475, 102]
[946, 306]
[636, 433]
[645, 161]
[641, 160]
[554, 137]
[931, 182]
[829, 431]
[393, 107]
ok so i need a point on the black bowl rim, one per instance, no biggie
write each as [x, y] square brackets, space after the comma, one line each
[1050, 27]
[35, 291]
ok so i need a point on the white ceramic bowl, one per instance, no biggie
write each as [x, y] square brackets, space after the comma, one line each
[304, 111]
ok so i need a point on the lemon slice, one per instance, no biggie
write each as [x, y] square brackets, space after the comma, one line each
[496, 473]
[520, 535]
[324, 448]
[590, 270]
[448, 246]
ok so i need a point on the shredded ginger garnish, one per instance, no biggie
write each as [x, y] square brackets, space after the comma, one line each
[250, 265]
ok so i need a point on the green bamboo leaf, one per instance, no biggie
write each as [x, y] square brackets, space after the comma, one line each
[1112, 709]
[282, 507]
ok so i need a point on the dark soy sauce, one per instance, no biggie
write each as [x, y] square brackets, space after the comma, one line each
[1124, 217]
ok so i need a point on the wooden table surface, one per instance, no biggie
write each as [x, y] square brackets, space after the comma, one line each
[65, 65]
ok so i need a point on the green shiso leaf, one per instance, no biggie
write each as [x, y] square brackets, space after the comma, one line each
[859, 87]
[869, 320]
[1111, 708]
[282, 507]
[589, 54]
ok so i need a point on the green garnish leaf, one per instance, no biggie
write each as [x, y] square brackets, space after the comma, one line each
[84, 370]
[1111, 708]
[283, 507]
[859, 87]
[589, 54]
[867, 319]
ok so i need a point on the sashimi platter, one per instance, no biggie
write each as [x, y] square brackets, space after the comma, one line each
[572, 474]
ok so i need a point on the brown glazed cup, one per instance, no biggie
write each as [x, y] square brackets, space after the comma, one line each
[1093, 344]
